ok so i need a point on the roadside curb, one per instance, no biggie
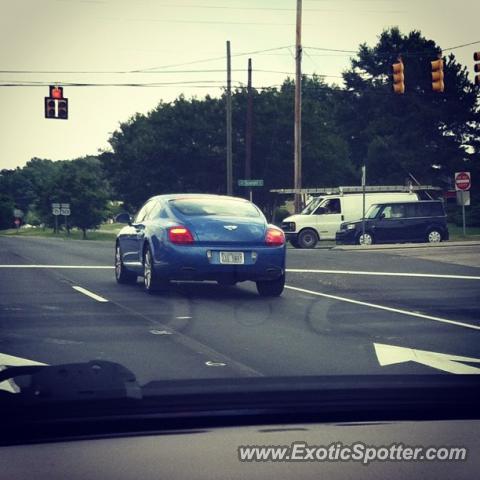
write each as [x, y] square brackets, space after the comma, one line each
[365, 248]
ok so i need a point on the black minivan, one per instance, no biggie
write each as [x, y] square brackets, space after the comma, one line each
[398, 222]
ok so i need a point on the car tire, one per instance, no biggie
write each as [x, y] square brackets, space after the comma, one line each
[367, 240]
[271, 288]
[434, 236]
[307, 238]
[151, 279]
[122, 275]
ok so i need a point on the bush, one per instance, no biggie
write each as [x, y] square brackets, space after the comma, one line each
[279, 215]
[472, 215]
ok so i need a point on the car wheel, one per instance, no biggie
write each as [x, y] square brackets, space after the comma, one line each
[365, 239]
[271, 288]
[307, 238]
[151, 280]
[122, 275]
[434, 236]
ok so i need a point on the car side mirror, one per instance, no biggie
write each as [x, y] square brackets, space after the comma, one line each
[320, 211]
[123, 218]
[382, 216]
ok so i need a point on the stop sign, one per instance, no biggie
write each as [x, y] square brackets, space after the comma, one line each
[462, 181]
[17, 222]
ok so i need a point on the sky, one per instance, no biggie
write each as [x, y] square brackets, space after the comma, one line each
[179, 46]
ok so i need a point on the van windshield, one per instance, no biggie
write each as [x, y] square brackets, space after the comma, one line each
[372, 212]
[312, 205]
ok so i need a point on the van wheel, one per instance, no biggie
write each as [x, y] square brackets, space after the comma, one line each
[307, 238]
[294, 243]
[434, 236]
[366, 239]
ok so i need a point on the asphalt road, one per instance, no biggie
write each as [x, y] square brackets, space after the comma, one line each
[336, 307]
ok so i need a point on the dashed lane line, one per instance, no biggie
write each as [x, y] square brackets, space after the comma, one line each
[90, 294]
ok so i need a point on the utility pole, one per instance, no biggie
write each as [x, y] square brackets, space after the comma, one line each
[249, 126]
[297, 180]
[229, 122]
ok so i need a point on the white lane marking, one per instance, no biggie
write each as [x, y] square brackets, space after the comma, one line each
[183, 318]
[388, 309]
[60, 266]
[386, 274]
[90, 294]
[215, 364]
[391, 354]
[11, 361]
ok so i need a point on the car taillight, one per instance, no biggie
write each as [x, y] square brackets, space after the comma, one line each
[274, 237]
[180, 235]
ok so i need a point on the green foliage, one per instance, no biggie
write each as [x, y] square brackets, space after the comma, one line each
[43, 182]
[6, 211]
[279, 214]
[398, 135]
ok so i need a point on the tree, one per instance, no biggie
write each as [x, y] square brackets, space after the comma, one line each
[81, 183]
[398, 135]
[180, 146]
[6, 211]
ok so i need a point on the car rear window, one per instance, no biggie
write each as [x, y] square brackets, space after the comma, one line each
[214, 206]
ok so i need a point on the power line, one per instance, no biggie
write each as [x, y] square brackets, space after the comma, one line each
[209, 59]
[461, 46]
[331, 49]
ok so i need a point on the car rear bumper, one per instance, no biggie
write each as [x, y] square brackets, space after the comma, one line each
[203, 263]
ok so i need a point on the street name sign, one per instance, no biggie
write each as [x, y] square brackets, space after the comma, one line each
[250, 183]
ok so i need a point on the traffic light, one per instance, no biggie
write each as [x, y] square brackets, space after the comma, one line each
[63, 108]
[398, 77]
[476, 68]
[437, 76]
[55, 105]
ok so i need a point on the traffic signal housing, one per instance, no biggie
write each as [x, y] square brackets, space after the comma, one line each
[398, 77]
[476, 68]
[437, 76]
[56, 106]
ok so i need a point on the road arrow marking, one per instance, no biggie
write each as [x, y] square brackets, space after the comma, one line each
[391, 354]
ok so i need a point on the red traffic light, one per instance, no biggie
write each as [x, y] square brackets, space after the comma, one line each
[56, 92]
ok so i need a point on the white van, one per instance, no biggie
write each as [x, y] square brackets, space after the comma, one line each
[322, 217]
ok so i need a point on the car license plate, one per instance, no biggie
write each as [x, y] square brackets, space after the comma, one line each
[232, 258]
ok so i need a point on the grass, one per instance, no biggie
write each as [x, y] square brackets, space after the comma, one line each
[456, 233]
[106, 232]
